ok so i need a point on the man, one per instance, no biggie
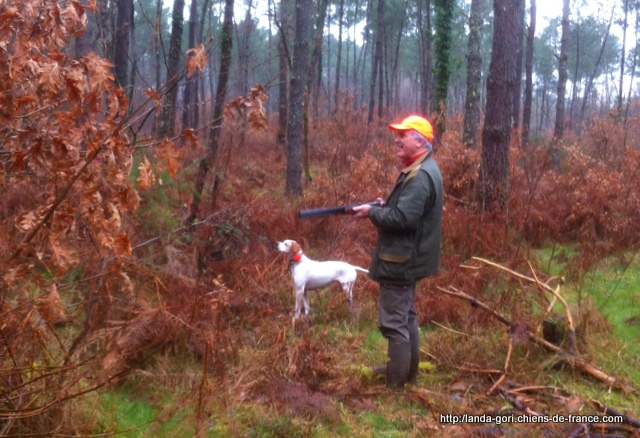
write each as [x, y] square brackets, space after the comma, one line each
[409, 227]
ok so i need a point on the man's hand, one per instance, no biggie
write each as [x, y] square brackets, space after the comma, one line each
[362, 211]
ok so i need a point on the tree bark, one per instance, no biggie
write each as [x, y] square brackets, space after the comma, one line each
[339, 57]
[442, 69]
[381, 65]
[243, 38]
[474, 74]
[633, 71]
[83, 42]
[393, 91]
[123, 41]
[425, 56]
[496, 133]
[577, 79]
[296, 95]
[167, 122]
[376, 61]
[622, 52]
[190, 97]
[587, 88]
[528, 88]
[313, 81]
[558, 130]
[517, 87]
[284, 63]
[226, 46]
[314, 76]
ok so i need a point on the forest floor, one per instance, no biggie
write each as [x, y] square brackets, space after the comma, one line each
[529, 329]
[263, 374]
[312, 377]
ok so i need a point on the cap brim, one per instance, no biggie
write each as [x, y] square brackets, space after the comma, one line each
[398, 127]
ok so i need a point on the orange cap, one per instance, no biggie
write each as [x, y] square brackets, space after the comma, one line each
[417, 123]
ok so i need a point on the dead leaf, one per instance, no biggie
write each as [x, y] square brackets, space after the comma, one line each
[190, 137]
[50, 307]
[26, 221]
[146, 179]
[196, 60]
[167, 158]
[122, 246]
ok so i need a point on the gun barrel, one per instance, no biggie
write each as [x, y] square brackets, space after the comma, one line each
[330, 211]
[321, 212]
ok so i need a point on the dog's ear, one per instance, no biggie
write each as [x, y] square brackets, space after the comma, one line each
[295, 248]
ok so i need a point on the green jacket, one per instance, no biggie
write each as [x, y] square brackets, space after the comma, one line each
[409, 226]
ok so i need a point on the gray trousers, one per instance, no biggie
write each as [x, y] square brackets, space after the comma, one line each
[397, 317]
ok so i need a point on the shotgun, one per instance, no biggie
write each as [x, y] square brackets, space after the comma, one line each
[331, 211]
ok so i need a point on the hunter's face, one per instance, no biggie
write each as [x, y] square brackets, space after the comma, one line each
[407, 146]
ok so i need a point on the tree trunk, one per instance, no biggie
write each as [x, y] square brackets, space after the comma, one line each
[528, 89]
[381, 69]
[558, 130]
[339, 57]
[190, 98]
[314, 76]
[622, 52]
[123, 40]
[442, 69]
[425, 56]
[313, 80]
[168, 113]
[517, 90]
[284, 62]
[633, 72]
[376, 61]
[209, 160]
[243, 38]
[577, 80]
[296, 95]
[587, 88]
[474, 73]
[393, 91]
[202, 92]
[83, 42]
[496, 133]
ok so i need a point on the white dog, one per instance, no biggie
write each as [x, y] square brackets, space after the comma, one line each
[309, 274]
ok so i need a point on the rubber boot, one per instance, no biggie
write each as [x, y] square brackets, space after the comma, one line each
[399, 354]
[414, 364]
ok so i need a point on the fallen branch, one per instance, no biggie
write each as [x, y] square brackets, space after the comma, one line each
[601, 430]
[610, 411]
[477, 370]
[555, 292]
[518, 404]
[570, 358]
[505, 370]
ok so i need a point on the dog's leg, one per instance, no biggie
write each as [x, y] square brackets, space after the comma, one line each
[347, 288]
[306, 303]
[299, 298]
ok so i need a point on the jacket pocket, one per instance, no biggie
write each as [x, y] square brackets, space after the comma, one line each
[393, 258]
[393, 263]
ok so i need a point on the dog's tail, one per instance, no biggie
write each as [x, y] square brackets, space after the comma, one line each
[358, 268]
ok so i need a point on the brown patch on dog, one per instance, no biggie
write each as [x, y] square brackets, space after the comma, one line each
[295, 248]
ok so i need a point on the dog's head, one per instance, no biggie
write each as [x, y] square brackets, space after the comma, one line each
[288, 246]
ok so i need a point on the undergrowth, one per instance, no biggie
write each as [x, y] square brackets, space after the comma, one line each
[118, 318]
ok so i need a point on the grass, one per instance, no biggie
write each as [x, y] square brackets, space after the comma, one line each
[611, 289]
[133, 417]
[352, 342]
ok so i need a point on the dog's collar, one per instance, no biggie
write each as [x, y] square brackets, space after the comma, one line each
[296, 258]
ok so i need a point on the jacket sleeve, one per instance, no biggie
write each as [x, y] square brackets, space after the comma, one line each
[408, 211]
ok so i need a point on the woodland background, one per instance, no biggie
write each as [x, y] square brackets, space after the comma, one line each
[152, 154]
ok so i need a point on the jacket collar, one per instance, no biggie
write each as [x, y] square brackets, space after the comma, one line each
[416, 162]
